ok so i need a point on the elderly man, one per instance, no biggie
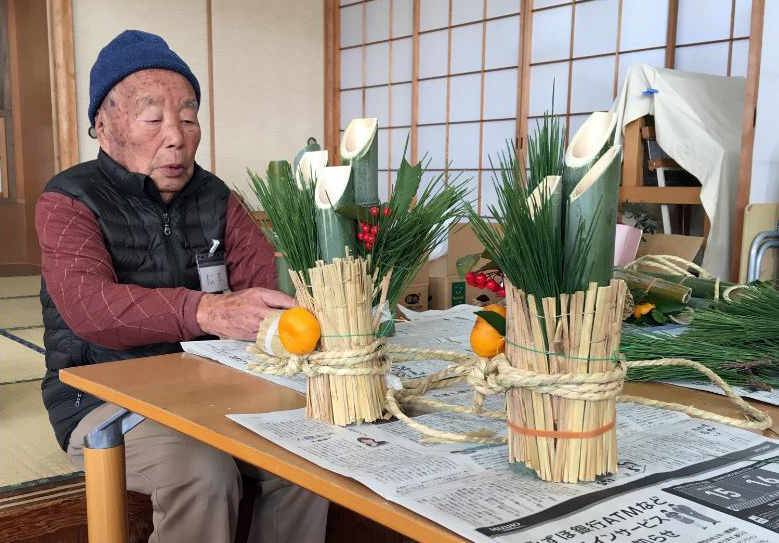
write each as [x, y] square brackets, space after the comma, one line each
[120, 237]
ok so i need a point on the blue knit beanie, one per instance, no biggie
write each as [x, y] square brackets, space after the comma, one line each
[130, 52]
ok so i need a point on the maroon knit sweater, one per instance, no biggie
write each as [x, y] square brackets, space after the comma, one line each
[81, 280]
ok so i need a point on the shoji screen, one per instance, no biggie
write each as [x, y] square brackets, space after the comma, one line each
[467, 84]
[712, 36]
[469, 87]
[376, 66]
[584, 49]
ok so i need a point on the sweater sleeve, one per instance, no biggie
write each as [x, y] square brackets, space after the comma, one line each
[248, 254]
[82, 282]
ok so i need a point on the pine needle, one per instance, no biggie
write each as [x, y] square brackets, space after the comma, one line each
[291, 211]
[409, 233]
[738, 340]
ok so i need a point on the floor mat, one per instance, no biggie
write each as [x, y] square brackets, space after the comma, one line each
[28, 450]
[20, 312]
[25, 285]
[19, 362]
[33, 335]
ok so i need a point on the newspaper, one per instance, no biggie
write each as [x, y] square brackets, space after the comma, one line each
[444, 330]
[679, 480]
[765, 396]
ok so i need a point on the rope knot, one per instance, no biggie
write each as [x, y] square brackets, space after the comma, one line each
[294, 365]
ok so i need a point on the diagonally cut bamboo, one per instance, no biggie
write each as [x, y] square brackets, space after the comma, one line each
[310, 167]
[335, 233]
[548, 192]
[310, 147]
[590, 142]
[592, 206]
[360, 149]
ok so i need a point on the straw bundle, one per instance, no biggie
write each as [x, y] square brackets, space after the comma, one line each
[340, 297]
[564, 439]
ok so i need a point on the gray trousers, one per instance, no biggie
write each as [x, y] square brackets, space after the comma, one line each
[195, 489]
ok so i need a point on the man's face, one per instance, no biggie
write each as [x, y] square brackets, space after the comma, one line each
[148, 124]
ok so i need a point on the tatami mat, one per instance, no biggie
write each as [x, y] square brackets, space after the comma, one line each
[33, 335]
[28, 450]
[19, 362]
[15, 312]
[26, 285]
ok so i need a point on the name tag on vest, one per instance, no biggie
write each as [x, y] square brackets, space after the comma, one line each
[213, 272]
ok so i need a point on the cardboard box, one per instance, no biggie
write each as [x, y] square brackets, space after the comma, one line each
[462, 241]
[415, 297]
[446, 292]
[685, 247]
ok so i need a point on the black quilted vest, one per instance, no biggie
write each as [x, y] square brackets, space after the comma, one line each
[152, 244]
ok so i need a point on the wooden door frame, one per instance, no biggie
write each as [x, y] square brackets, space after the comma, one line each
[744, 186]
[63, 83]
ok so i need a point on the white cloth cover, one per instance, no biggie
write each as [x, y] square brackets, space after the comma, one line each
[698, 123]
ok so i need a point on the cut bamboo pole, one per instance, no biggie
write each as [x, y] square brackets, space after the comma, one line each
[310, 167]
[550, 190]
[341, 297]
[654, 285]
[335, 233]
[592, 206]
[701, 288]
[283, 281]
[310, 147]
[360, 149]
[590, 142]
[276, 169]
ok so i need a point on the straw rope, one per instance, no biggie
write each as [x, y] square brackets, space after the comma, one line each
[490, 376]
[675, 266]
[323, 362]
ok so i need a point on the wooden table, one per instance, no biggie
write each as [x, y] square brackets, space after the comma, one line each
[192, 395]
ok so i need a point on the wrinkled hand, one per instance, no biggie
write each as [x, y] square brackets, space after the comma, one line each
[237, 315]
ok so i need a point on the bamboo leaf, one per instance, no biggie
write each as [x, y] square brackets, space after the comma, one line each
[491, 265]
[658, 316]
[406, 184]
[496, 320]
[467, 263]
[357, 212]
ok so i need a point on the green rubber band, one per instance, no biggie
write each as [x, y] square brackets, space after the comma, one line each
[524, 348]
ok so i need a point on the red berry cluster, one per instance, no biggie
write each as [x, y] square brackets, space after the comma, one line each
[491, 281]
[367, 232]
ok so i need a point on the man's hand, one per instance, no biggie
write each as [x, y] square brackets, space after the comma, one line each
[237, 315]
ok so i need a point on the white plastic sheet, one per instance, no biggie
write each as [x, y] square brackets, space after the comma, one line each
[698, 123]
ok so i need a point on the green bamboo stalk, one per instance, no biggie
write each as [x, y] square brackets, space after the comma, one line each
[654, 285]
[548, 192]
[283, 279]
[310, 167]
[701, 288]
[590, 142]
[360, 150]
[335, 233]
[276, 168]
[310, 147]
[592, 206]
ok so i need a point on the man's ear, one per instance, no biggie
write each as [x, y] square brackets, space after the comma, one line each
[101, 130]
